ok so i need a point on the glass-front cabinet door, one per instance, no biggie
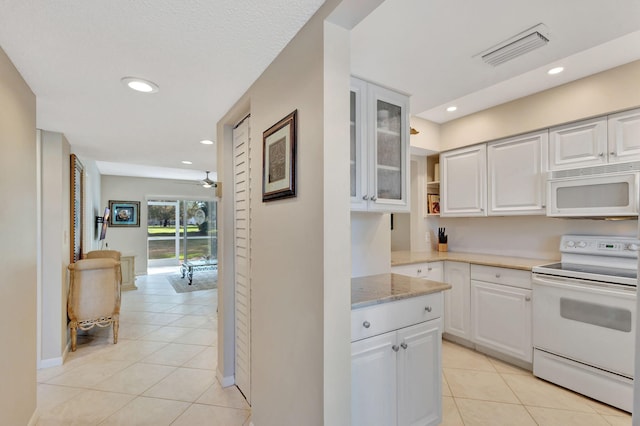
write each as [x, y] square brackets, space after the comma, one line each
[379, 148]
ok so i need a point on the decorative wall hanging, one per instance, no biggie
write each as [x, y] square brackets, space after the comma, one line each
[279, 159]
[124, 213]
[77, 208]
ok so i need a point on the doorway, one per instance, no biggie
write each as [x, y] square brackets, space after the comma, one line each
[181, 230]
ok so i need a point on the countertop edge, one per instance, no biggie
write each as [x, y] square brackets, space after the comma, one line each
[425, 287]
[525, 264]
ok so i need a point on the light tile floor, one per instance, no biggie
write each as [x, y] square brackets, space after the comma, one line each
[479, 390]
[161, 372]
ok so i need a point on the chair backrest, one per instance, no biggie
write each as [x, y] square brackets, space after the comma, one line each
[94, 288]
[98, 254]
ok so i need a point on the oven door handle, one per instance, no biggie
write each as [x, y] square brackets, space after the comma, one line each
[584, 286]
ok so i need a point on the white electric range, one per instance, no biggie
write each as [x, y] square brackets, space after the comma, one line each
[584, 318]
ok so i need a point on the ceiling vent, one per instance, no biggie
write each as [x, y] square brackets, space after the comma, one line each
[517, 45]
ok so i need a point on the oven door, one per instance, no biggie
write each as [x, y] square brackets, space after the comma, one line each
[589, 322]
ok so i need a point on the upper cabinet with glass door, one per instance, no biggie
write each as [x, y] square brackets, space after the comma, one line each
[379, 148]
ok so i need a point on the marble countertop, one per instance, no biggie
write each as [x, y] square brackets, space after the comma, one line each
[383, 288]
[409, 257]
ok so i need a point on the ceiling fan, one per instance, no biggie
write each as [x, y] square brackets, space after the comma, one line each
[208, 183]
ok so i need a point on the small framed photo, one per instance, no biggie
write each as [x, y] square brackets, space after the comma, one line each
[279, 159]
[433, 203]
[124, 213]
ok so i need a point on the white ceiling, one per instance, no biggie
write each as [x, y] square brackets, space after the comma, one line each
[428, 48]
[204, 54]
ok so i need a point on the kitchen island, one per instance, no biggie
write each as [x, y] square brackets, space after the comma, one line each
[396, 334]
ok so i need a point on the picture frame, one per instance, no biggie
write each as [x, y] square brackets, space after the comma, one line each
[433, 203]
[77, 208]
[279, 159]
[124, 213]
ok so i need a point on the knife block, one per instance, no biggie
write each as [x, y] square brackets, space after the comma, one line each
[442, 247]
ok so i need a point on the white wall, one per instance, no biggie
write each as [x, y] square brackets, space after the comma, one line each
[133, 241]
[18, 251]
[55, 201]
[370, 244]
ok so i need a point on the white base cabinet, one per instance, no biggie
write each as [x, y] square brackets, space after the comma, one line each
[502, 314]
[396, 377]
[396, 363]
[457, 301]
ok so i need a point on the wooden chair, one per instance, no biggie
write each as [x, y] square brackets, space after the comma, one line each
[94, 296]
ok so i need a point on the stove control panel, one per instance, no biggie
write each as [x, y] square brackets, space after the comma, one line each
[600, 245]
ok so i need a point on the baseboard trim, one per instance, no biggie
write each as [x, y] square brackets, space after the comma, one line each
[50, 362]
[34, 418]
[225, 381]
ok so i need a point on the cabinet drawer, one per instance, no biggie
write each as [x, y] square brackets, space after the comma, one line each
[505, 276]
[378, 319]
[429, 270]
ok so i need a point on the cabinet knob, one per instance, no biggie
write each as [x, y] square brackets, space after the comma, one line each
[395, 348]
[374, 198]
[601, 154]
[497, 275]
[404, 345]
[429, 268]
[527, 298]
[612, 153]
[419, 271]
[365, 197]
[366, 324]
[428, 308]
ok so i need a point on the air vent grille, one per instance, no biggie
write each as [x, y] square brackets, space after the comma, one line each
[597, 170]
[516, 46]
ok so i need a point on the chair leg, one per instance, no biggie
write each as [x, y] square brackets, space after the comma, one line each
[116, 328]
[74, 337]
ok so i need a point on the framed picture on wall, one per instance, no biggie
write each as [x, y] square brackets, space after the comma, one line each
[279, 159]
[124, 213]
[77, 207]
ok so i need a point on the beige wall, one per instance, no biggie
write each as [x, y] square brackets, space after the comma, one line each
[609, 91]
[133, 241]
[55, 201]
[18, 253]
[300, 269]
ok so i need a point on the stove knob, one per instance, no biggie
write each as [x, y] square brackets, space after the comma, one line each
[632, 247]
[571, 244]
[582, 244]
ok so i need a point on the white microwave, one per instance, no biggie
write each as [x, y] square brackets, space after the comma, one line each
[601, 191]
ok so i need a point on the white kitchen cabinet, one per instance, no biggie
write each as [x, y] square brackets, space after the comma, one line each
[516, 175]
[624, 136]
[379, 142]
[429, 270]
[457, 301]
[464, 182]
[579, 144]
[501, 310]
[396, 363]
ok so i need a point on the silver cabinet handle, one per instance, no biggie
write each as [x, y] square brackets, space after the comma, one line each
[497, 275]
[374, 198]
[395, 348]
[366, 324]
[527, 298]
[601, 154]
[365, 197]
[429, 269]
[428, 308]
[419, 271]
[612, 153]
[404, 345]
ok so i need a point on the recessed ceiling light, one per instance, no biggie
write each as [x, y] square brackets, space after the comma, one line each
[452, 108]
[187, 162]
[206, 142]
[140, 84]
[556, 70]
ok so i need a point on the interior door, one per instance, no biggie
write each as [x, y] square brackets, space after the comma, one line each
[242, 257]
